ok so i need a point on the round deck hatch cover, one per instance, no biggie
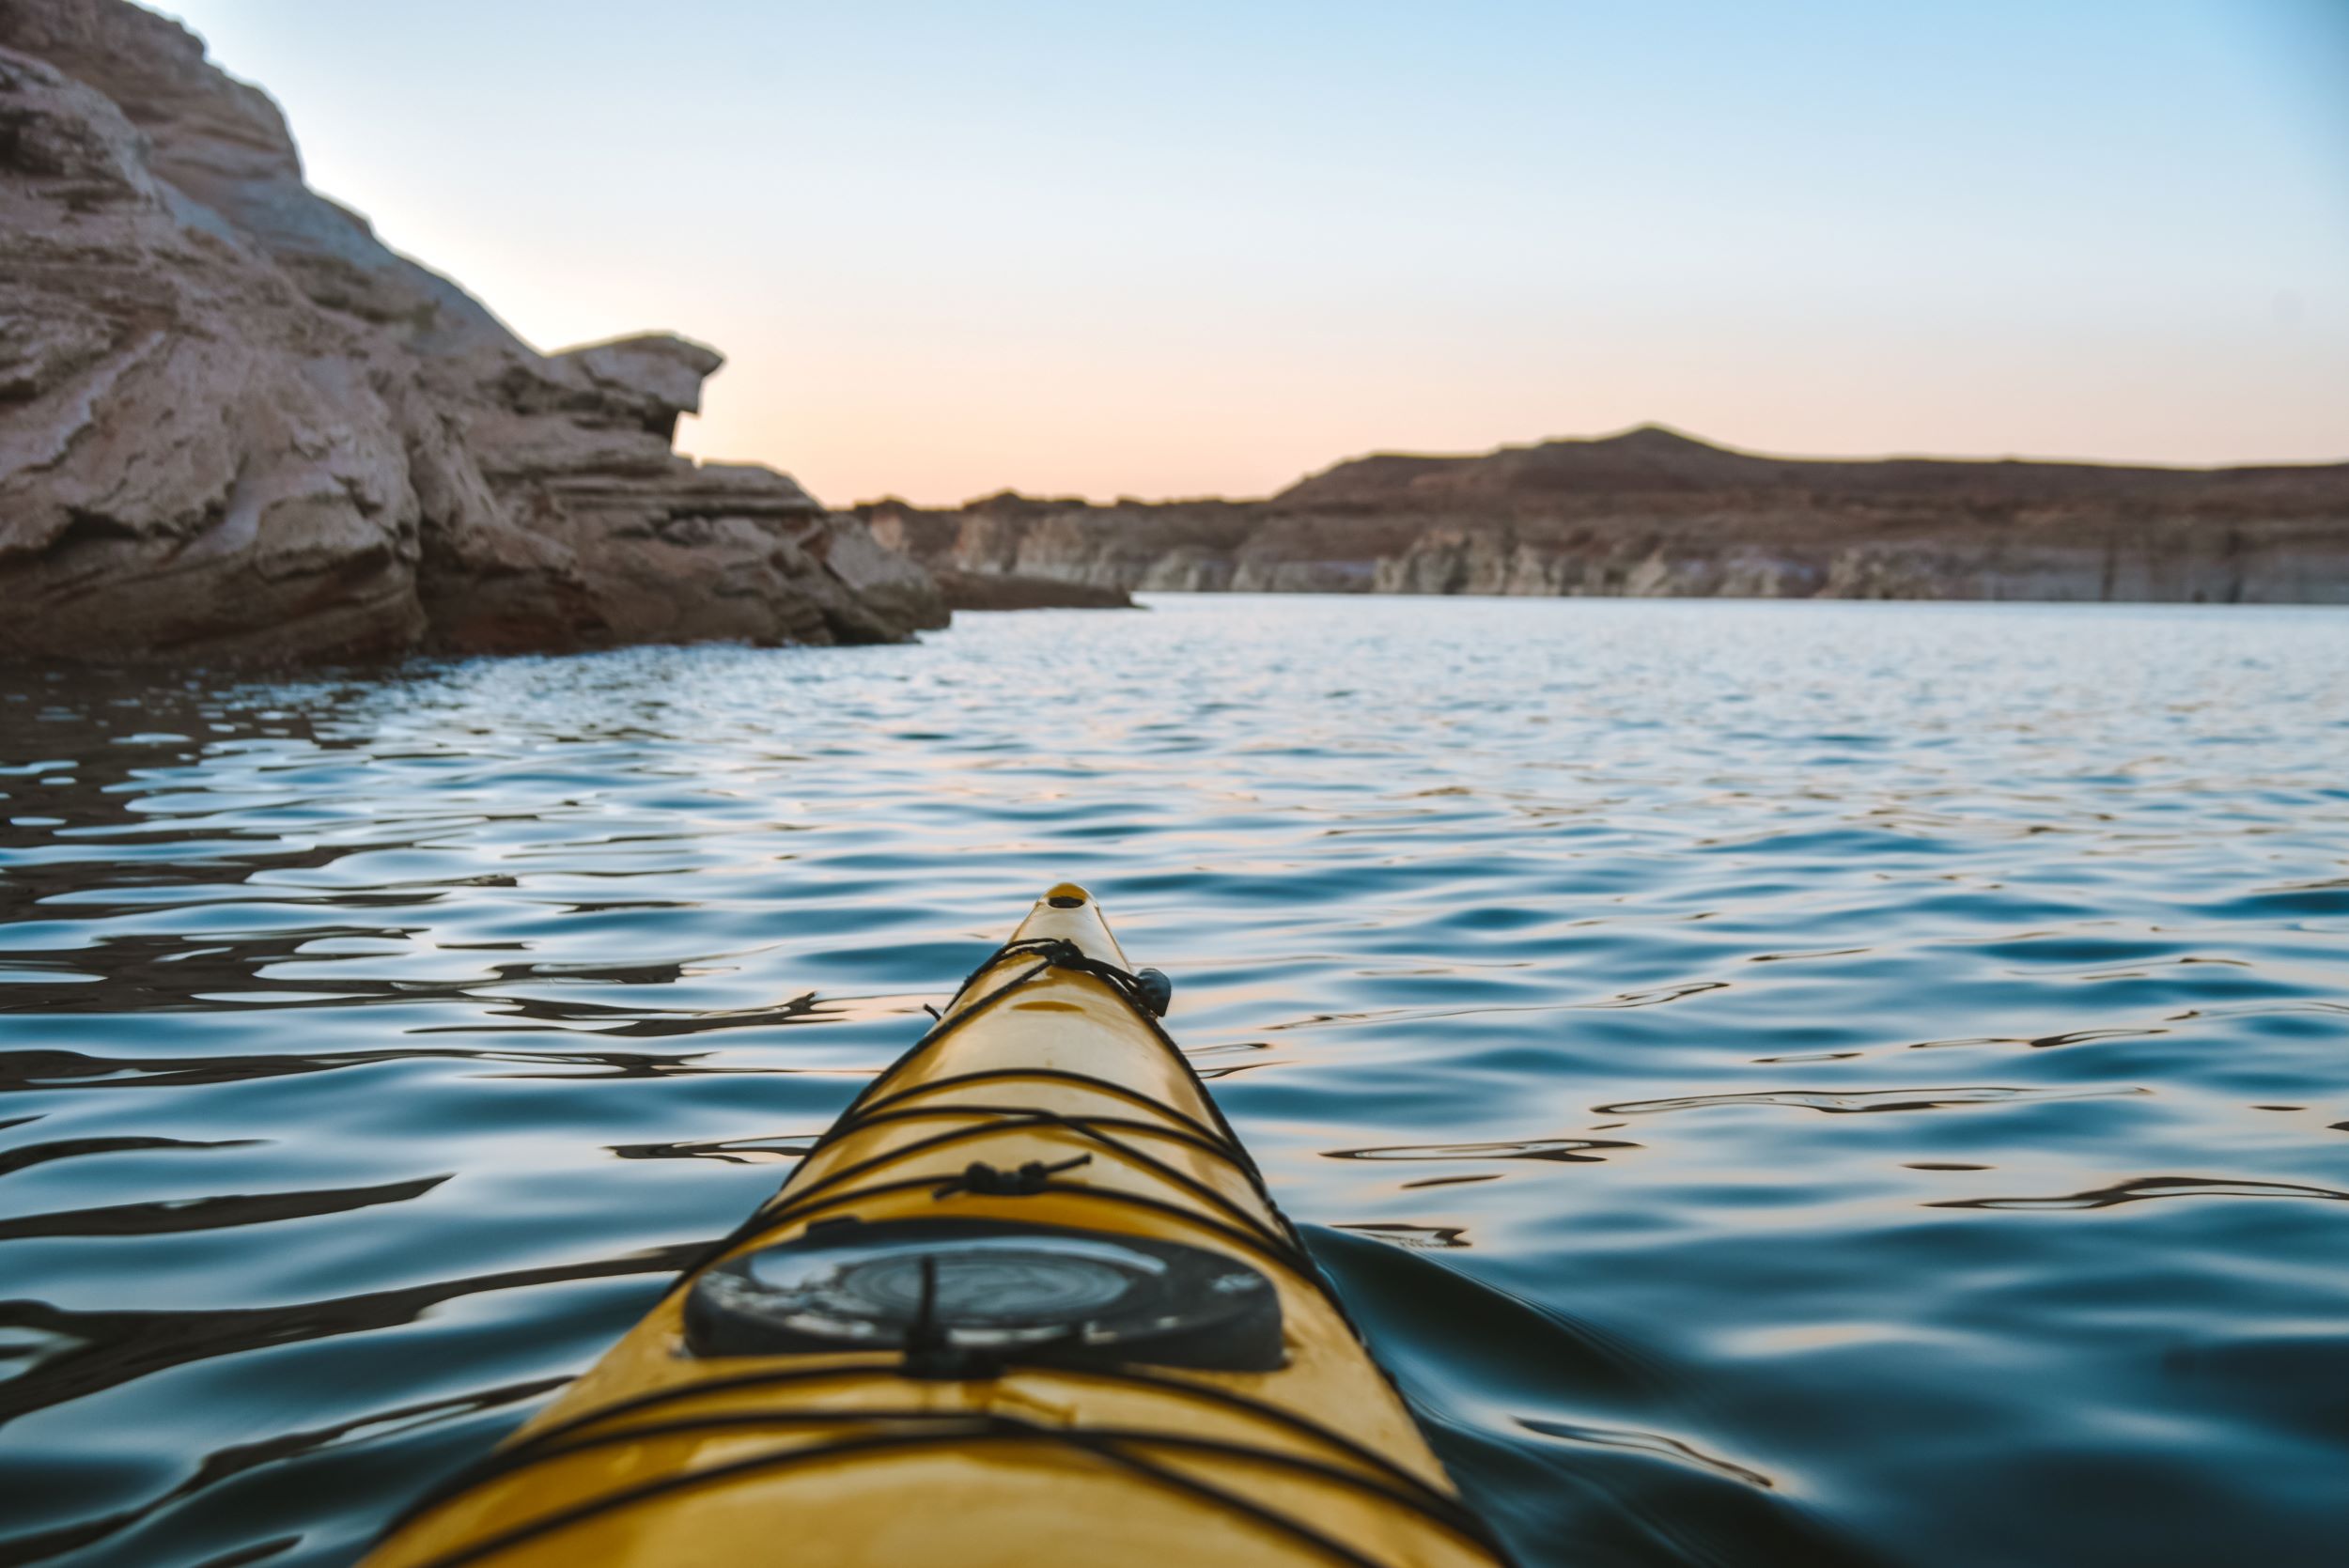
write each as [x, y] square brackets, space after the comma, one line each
[979, 1289]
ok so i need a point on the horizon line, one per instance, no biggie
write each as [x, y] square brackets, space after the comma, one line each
[1012, 492]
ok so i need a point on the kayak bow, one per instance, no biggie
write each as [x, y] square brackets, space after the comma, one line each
[1027, 1302]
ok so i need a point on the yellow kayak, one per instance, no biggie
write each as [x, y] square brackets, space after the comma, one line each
[1028, 1302]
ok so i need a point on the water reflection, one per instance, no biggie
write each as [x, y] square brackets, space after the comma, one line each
[780, 1149]
[1646, 1442]
[2146, 1187]
[70, 1354]
[1724, 1053]
[176, 1215]
[1852, 1102]
[1571, 1151]
[36, 1070]
[226, 1465]
[25, 1156]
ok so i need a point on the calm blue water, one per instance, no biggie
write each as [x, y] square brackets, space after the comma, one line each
[1802, 1084]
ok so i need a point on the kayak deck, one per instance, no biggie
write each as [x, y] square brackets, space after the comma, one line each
[1045, 1142]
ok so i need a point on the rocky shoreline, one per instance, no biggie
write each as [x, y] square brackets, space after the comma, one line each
[1654, 513]
[984, 591]
[234, 425]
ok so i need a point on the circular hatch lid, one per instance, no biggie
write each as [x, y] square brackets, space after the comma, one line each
[951, 1292]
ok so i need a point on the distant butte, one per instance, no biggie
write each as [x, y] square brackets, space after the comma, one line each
[1652, 512]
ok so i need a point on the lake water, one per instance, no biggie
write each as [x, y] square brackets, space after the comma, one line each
[1779, 1083]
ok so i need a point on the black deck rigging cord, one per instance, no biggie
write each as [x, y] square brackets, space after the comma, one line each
[1145, 992]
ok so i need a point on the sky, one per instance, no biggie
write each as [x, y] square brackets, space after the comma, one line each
[1175, 249]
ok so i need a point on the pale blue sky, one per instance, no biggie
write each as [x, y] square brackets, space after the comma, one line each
[1174, 249]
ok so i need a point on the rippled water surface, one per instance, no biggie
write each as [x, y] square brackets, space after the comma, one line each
[1780, 1083]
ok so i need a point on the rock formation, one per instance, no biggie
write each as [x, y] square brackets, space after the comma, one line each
[234, 424]
[971, 590]
[1654, 513]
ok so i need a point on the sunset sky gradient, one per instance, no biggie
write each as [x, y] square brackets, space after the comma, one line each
[1160, 249]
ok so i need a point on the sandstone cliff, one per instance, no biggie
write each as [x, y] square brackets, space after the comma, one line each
[233, 424]
[1654, 513]
[971, 590]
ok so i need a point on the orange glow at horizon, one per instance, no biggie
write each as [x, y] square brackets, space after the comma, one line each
[1206, 248]
[966, 419]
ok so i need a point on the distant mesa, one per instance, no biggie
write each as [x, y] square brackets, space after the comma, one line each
[235, 425]
[1650, 457]
[1654, 512]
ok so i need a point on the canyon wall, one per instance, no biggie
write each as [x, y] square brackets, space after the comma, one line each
[236, 426]
[1653, 513]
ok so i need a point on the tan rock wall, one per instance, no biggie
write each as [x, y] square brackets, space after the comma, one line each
[2221, 537]
[234, 424]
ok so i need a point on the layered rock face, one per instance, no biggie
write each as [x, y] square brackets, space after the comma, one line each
[234, 424]
[968, 590]
[1653, 513]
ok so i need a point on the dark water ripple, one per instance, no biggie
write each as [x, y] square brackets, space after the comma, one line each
[1783, 1084]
